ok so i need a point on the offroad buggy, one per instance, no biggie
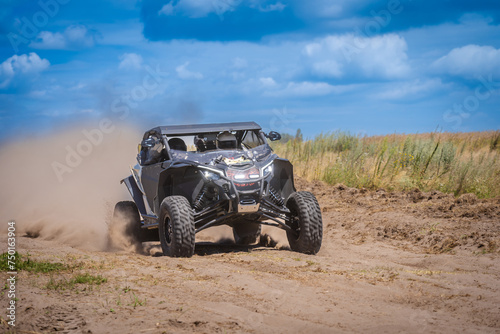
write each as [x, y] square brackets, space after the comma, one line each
[192, 177]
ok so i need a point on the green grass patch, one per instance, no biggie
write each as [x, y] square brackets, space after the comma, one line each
[24, 262]
[87, 279]
[135, 301]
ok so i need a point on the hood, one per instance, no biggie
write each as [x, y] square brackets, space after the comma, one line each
[223, 159]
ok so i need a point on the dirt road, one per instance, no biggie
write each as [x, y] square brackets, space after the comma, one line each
[390, 263]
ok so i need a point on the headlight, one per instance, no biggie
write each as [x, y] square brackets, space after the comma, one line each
[210, 176]
[241, 175]
[267, 170]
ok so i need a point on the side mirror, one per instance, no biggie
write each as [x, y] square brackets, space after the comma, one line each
[273, 136]
[150, 142]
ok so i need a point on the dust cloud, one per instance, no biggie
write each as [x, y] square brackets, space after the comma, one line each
[63, 186]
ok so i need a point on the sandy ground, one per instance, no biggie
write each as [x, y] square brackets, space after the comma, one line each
[390, 263]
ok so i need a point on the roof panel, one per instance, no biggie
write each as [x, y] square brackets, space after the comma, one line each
[193, 129]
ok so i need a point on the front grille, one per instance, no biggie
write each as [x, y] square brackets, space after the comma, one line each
[247, 185]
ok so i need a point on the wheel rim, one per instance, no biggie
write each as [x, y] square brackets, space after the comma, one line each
[295, 226]
[294, 223]
[168, 230]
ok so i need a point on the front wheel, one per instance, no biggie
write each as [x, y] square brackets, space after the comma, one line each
[306, 223]
[176, 227]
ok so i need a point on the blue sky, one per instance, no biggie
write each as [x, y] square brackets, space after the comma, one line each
[368, 67]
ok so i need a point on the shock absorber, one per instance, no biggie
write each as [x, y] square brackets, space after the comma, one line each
[275, 197]
[201, 199]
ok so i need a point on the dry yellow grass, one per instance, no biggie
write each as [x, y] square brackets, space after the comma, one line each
[450, 162]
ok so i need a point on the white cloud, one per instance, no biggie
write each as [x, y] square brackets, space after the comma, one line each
[474, 18]
[267, 82]
[199, 8]
[73, 38]
[167, 9]
[38, 94]
[130, 61]
[202, 8]
[410, 90]
[78, 86]
[278, 6]
[303, 89]
[470, 61]
[21, 67]
[184, 73]
[328, 68]
[49, 40]
[341, 56]
[306, 89]
[239, 63]
[309, 88]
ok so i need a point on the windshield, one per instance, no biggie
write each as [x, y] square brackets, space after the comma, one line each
[206, 148]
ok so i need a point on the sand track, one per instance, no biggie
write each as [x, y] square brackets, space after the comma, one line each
[390, 262]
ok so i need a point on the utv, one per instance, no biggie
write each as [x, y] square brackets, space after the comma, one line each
[192, 177]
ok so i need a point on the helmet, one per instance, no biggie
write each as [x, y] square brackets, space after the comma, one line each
[226, 141]
[177, 144]
[151, 150]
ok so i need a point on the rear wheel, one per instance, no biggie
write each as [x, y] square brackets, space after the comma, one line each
[306, 223]
[125, 228]
[246, 232]
[176, 227]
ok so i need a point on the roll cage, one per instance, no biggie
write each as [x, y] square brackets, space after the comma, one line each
[196, 140]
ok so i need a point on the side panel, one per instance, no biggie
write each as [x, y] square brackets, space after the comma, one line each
[283, 177]
[182, 180]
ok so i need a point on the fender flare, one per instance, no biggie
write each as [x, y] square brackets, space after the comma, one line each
[136, 193]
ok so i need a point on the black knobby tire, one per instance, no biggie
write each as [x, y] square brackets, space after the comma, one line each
[246, 232]
[306, 223]
[176, 227]
[126, 222]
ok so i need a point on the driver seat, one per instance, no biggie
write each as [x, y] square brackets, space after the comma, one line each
[226, 141]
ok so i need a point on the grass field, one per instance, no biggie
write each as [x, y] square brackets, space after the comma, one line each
[449, 162]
